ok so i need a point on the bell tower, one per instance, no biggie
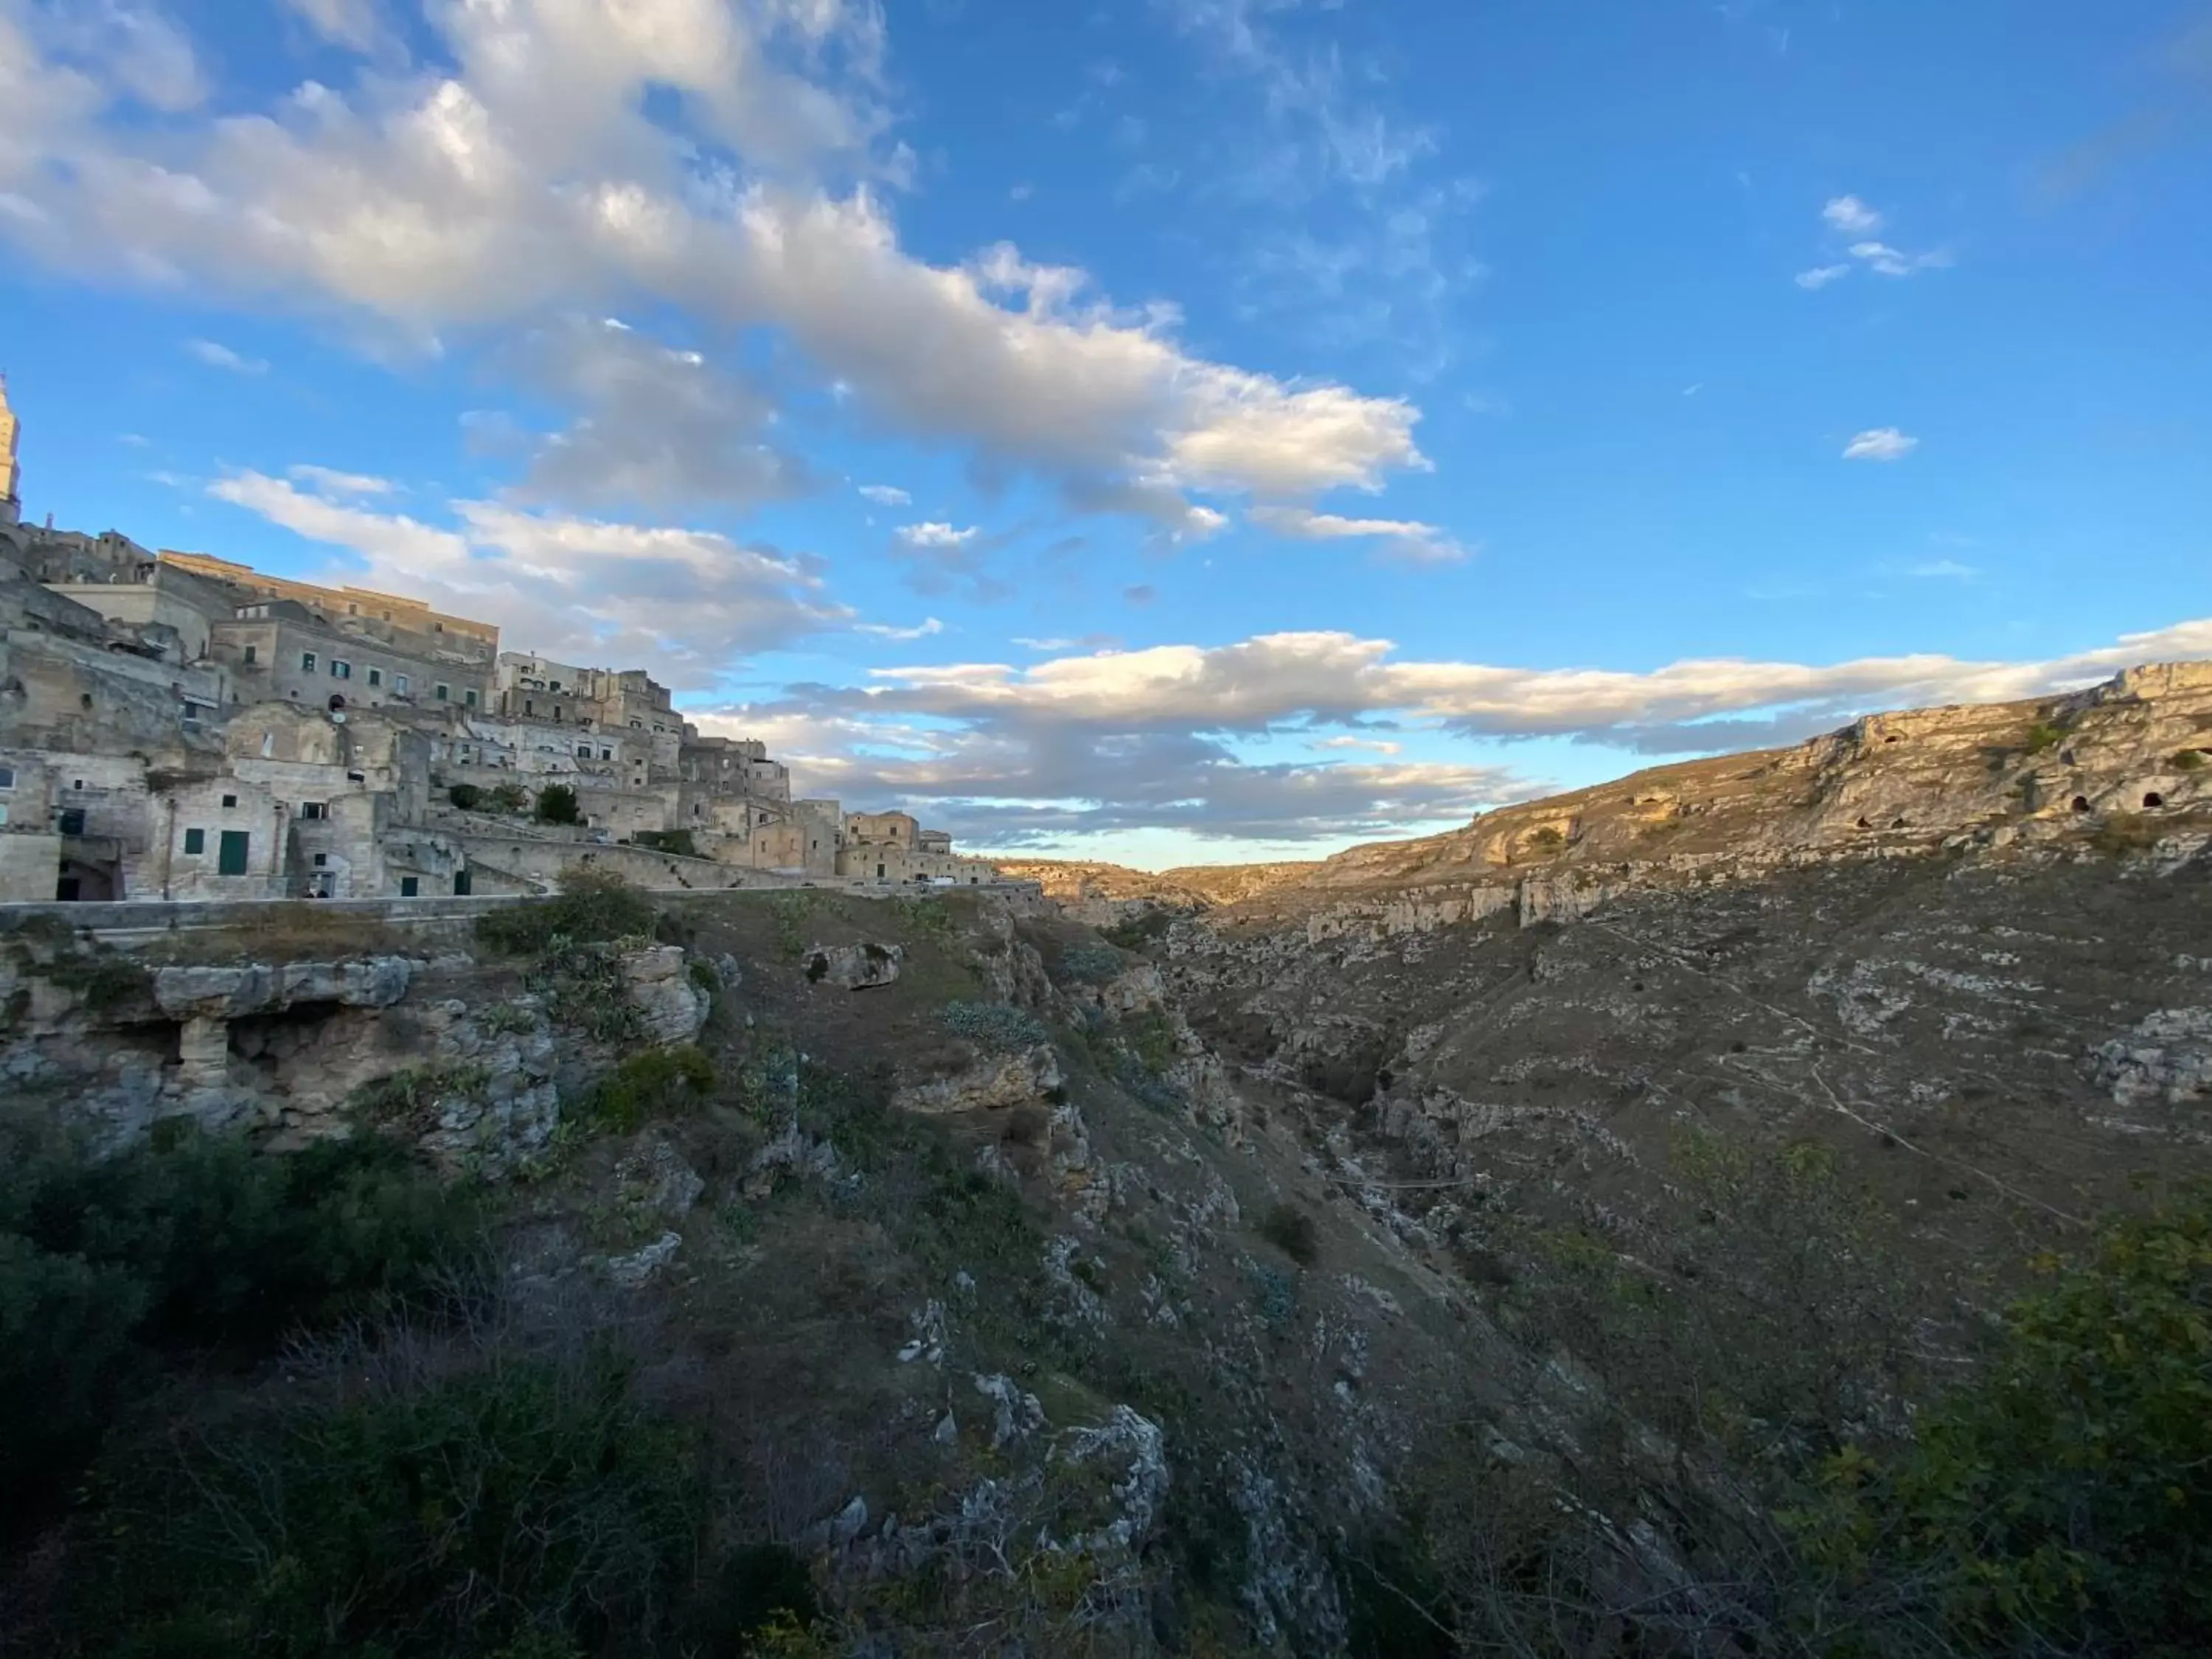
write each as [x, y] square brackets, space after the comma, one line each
[11, 509]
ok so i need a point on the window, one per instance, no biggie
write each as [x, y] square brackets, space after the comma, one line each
[76, 783]
[376, 676]
[443, 693]
[314, 808]
[307, 662]
[322, 860]
[230, 800]
[879, 872]
[529, 707]
[605, 753]
[195, 842]
[409, 886]
[583, 751]
[341, 670]
[555, 686]
[399, 683]
[251, 652]
[230, 853]
[462, 883]
[470, 697]
[73, 821]
[7, 777]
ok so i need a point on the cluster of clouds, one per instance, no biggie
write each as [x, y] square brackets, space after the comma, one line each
[584, 589]
[1856, 226]
[725, 164]
[1109, 739]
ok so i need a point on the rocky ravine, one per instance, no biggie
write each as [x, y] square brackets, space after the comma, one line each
[1968, 950]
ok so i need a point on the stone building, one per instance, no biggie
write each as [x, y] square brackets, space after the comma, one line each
[175, 726]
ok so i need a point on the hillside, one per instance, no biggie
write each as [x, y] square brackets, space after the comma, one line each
[1554, 1237]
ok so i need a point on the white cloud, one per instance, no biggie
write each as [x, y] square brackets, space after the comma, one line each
[1950, 568]
[886, 495]
[358, 25]
[533, 178]
[217, 356]
[921, 630]
[1423, 543]
[1880, 443]
[1366, 745]
[1820, 275]
[136, 49]
[1114, 739]
[685, 600]
[936, 535]
[326, 482]
[1886, 261]
[1851, 217]
[658, 427]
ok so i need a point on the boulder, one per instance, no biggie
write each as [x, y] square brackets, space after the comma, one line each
[674, 1008]
[852, 967]
[994, 1083]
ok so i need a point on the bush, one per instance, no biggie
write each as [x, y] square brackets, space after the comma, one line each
[505, 1505]
[2188, 760]
[993, 1026]
[2062, 1501]
[2043, 735]
[185, 1240]
[594, 907]
[508, 797]
[557, 803]
[660, 1082]
[1291, 1230]
[465, 796]
[1089, 962]
[1141, 932]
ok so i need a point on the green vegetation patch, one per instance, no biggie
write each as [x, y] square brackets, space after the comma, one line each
[108, 1263]
[594, 907]
[660, 1082]
[995, 1027]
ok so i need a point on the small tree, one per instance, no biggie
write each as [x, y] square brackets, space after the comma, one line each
[557, 803]
[466, 796]
[507, 798]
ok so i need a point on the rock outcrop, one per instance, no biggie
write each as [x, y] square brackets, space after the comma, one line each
[863, 967]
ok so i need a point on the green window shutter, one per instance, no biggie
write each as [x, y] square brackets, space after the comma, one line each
[196, 840]
[230, 854]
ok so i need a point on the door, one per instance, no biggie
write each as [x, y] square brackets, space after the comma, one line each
[230, 853]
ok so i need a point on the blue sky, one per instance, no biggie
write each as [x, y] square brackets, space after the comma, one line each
[1169, 430]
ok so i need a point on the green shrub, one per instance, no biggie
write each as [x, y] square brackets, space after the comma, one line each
[508, 797]
[465, 796]
[660, 1082]
[594, 907]
[2042, 736]
[1291, 1230]
[411, 1098]
[2061, 1502]
[1089, 963]
[510, 1506]
[186, 1239]
[678, 841]
[557, 804]
[1275, 1293]
[1141, 932]
[995, 1027]
[2188, 760]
